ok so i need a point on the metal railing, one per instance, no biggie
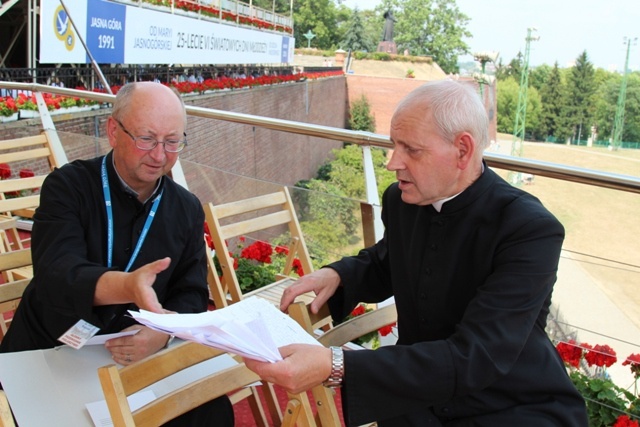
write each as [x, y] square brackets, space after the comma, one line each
[546, 169]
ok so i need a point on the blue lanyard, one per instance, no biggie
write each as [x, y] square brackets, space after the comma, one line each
[107, 202]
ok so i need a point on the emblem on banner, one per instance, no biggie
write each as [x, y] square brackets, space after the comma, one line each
[63, 28]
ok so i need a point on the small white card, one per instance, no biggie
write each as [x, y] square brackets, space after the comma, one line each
[99, 412]
[78, 335]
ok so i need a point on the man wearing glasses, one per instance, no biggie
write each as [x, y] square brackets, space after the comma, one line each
[115, 233]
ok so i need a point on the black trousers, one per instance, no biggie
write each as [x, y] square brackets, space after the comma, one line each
[215, 413]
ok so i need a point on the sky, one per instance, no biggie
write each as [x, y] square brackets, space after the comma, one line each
[566, 28]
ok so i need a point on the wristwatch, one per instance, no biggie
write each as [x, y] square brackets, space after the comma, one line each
[337, 368]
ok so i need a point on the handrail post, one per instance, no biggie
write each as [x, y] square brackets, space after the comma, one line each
[371, 188]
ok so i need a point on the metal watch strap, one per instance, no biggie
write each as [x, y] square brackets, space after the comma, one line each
[337, 368]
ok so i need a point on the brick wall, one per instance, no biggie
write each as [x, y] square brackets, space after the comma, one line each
[384, 93]
[216, 146]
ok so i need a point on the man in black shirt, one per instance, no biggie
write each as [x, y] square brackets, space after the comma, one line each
[115, 233]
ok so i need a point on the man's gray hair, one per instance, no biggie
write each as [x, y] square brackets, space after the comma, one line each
[456, 107]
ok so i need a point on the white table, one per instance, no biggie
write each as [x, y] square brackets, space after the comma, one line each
[51, 387]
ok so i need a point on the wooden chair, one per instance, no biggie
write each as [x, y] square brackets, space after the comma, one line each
[6, 417]
[19, 195]
[244, 217]
[11, 291]
[119, 383]
[340, 335]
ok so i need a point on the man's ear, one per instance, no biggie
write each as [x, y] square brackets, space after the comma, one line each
[466, 146]
[111, 130]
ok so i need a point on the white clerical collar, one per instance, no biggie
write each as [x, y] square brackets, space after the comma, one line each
[438, 205]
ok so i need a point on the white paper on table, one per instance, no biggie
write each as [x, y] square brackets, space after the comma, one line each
[252, 328]
[99, 411]
[101, 339]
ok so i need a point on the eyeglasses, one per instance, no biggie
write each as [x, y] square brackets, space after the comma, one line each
[147, 143]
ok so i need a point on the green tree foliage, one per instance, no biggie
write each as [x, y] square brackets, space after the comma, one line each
[512, 69]
[356, 37]
[606, 103]
[581, 88]
[280, 6]
[538, 76]
[321, 18]
[360, 116]
[553, 98]
[508, 91]
[430, 27]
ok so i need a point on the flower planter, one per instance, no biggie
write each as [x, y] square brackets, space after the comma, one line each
[11, 118]
[29, 114]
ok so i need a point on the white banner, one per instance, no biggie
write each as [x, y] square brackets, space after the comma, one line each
[120, 34]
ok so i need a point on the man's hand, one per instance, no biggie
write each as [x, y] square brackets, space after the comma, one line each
[141, 281]
[117, 287]
[129, 349]
[304, 366]
[323, 282]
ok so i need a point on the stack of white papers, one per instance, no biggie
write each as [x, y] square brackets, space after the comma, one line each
[252, 328]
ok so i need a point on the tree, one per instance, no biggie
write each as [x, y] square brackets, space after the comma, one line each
[430, 27]
[553, 97]
[356, 37]
[581, 91]
[508, 91]
[512, 69]
[360, 116]
[538, 76]
[321, 18]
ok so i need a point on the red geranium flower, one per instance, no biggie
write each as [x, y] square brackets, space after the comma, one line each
[601, 355]
[625, 421]
[634, 361]
[570, 352]
[5, 171]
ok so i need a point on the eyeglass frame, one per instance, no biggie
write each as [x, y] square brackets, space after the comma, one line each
[164, 143]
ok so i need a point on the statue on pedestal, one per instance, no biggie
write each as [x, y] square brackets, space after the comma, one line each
[387, 44]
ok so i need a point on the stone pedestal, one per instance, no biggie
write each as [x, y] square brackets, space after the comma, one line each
[340, 55]
[388, 47]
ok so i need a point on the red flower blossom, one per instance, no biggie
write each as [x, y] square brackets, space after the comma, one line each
[601, 355]
[26, 173]
[5, 171]
[259, 251]
[570, 352]
[634, 361]
[297, 266]
[282, 250]
[386, 330]
[359, 310]
[625, 421]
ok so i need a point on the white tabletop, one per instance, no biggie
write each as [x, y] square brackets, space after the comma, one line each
[51, 387]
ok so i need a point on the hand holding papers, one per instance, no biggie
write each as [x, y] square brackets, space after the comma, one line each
[251, 328]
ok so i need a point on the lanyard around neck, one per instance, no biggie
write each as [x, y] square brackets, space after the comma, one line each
[107, 201]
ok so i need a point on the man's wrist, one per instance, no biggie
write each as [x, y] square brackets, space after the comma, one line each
[337, 368]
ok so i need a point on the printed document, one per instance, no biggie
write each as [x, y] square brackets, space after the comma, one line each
[252, 328]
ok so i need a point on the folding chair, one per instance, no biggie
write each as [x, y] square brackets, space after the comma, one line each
[340, 335]
[254, 215]
[119, 383]
[6, 417]
[11, 291]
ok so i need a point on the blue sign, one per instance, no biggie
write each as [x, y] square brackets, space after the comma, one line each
[105, 31]
[284, 53]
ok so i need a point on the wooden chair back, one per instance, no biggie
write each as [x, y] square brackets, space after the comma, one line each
[119, 383]
[19, 196]
[340, 335]
[6, 417]
[11, 291]
[244, 217]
